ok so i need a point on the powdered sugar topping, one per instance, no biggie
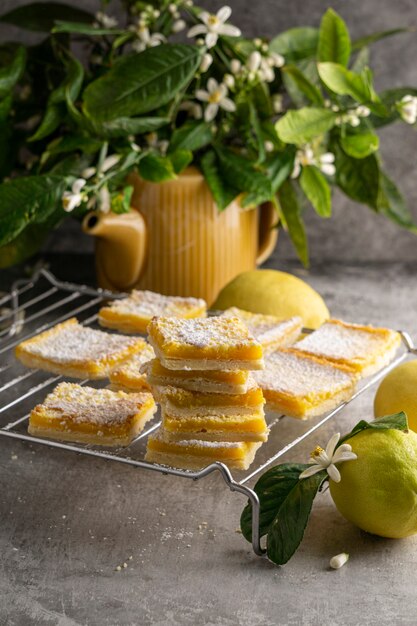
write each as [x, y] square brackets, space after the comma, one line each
[149, 304]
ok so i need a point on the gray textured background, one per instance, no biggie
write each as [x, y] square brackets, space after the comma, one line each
[354, 233]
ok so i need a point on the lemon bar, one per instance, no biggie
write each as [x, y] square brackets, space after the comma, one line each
[77, 351]
[87, 415]
[129, 376]
[363, 349]
[133, 314]
[197, 454]
[271, 332]
[182, 403]
[303, 386]
[210, 343]
[251, 427]
[212, 381]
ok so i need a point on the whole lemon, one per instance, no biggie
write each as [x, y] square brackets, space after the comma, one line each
[274, 293]
[378, 490]
[398, 392]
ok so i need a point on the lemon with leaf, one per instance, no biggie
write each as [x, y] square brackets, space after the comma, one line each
[378, 491]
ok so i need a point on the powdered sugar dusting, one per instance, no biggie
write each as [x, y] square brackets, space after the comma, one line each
[148, 304]
[97, 406]
[286, 371]
[132, 367]
[204, 332]
[267, 328]
[76, 344]
[336, 341]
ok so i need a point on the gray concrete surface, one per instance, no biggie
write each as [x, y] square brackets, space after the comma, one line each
[67, 521]
[354, 232]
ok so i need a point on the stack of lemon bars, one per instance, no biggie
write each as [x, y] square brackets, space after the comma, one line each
[212, 407]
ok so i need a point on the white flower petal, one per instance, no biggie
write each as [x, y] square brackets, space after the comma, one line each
[227, 104]
[205, 16]
[254, 61]
[198, 29]
[329, 169]
[224, 13]
[229, 30]
[296, 169]
[334, 473]
[88, 172]
[211, 112]
[212, 85]
[202, 95]
[77, 185]
[331, 446]
[110, 161]
[344, 456]
[310, 471]
[211, 40]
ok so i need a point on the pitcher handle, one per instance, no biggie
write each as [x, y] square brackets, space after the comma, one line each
[267, 232]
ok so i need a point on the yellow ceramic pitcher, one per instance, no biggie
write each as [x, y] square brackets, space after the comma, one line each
[176, 242]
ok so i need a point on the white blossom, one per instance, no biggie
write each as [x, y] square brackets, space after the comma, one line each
[235, 66]
[215, 96]
[229, 80]
[408, 109]
[110, 162]
[145, 39]
[325, 163]
[254, 61]
[154, 142]
[104, 21]
[363, 111]
[104, 200]
[214, 25]
[328, 458]
[277, 103]
[206, 61]
[336, 562]
[278, 59]
[72, 199]
[178, 26]
[269, 146]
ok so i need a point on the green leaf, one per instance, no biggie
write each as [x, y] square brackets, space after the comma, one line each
[142, 82]
[10, 74]
[29, 241]
[26, 200]
[120, 202]
[290, 209]
[305, 124]
[257, 131]
[123, 126]
[360, 145]
[287, 529]
[56, 108]
[317, 190]
[156, 168]
[292, 73]
[296, 43]
[84, 29]
[345, 82]
[70, 143]
[180, 159]
[223, 192]
[334, 39]
[279, 167]
[370, 39]
[397, 421]
[192, 135]
[242, 175]
[361, 61]
[41, 16]
[358, 178]
[272, 489]
[285, 503]
[392, 204]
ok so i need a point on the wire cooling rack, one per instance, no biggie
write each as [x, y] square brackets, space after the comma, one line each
[36, 304]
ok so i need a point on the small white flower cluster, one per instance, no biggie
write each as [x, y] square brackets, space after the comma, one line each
[327, 459]
[77, 194]
[216, 97]
[352, 117]
[104, 21]
[407, 108]
[214, 25]
[258, 66]
[307, 156]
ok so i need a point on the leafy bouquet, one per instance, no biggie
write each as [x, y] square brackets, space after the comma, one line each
[280, 121]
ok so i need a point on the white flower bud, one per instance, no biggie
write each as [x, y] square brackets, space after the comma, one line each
[235, 66]
[229, 80]
[178, 26]
[363, 111]
[200, 41]
[269, 146]
[110, 161]
[408, 109]
[277, 103]
[258, 42]
[172, 8]
[354, 120]
[254, 61]
[206, 61]
[336, 562]
[279, 60]
[88, 172]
